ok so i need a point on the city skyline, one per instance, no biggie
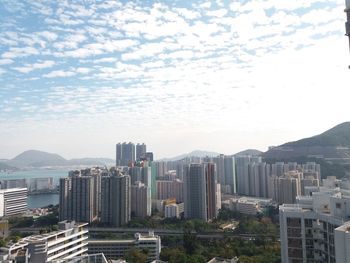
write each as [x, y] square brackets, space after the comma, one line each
[76, 78]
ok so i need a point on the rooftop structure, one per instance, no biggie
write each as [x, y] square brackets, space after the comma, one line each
[68, 242]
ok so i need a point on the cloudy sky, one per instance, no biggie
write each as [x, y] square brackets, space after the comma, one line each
[76, 77]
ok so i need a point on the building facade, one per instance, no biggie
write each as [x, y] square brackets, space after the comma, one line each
[201, 191]
[115, 249]
[115, 200]
[315, 229]
[68, 242]
[13, 201]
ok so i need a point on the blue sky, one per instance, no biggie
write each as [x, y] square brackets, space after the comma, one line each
[76, 77]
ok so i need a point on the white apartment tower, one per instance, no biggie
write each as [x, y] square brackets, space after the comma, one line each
[315, 229]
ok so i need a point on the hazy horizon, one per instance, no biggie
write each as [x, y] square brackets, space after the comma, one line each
[75, 79]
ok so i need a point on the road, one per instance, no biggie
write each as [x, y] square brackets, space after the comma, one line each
[160, 232]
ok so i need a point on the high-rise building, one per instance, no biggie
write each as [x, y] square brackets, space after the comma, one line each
[141, 200]
[230, 174]
[41, 184]
[80, 195]
[13, 183]
[287, 187]
[142, 174]
[118, 155]
[140, 151]
[220, 169]
[125, 154]
[115, 200]
[200, 191]
[242, 163]
[149, 156]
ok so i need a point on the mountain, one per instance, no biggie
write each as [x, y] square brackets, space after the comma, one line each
[332, 146]
[36, 159]
[252, 152]
[196, 153]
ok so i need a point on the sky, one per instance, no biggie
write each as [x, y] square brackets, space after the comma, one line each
[77, 77]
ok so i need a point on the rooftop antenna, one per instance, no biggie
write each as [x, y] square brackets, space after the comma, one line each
[347, 23]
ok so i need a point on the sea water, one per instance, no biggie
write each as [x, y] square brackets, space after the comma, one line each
[39, 200]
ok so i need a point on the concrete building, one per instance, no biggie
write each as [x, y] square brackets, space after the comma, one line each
[141, 203]
[149, 156]
[200, 191]
[77, 199]
[141, 174]
[315, 229]
[115, 249]
[171, 211]
[242, 173]
[13, 183]
[41, 184]
[140, 151]
[170, 189]
[13, 201]
[287, 187]
[115, 200]
[68, 242]
[230, 174]
[247, 205]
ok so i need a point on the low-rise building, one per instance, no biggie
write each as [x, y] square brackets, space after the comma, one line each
[68, 242]
[115, 249]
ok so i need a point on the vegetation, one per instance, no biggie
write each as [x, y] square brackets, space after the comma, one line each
[136, 256]
[258, 244]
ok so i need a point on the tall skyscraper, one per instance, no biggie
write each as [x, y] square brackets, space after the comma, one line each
[77, 199]
[125, 154]
[80, 195]
[115, 200]
[200, 191]
[140, 151]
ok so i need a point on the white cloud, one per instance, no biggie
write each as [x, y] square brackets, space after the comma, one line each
[59, 74]
[6, 61]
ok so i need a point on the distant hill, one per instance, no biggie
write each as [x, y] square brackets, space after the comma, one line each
[4, 166]
[37, 159]
[196, 153]
[252, 152]
[332, 146]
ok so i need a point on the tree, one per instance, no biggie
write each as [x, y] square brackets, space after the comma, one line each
[2, 243]
[135, 256]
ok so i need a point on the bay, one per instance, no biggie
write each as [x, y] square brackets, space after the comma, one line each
[39, 200]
